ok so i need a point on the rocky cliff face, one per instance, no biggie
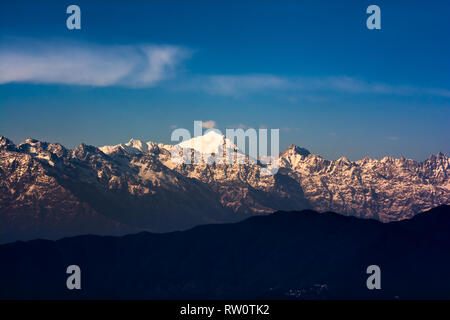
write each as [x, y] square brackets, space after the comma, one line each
[47, 190]
[388, 189]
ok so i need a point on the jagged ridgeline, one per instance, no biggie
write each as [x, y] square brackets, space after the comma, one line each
[49, 191]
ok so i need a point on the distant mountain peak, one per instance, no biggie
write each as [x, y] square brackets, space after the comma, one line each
[137, 144]
[438, 156]
[209, 143]
[132, 147]
[4, 142]
[84, 150]
[31, 141]
[297, 150]
[343, 160]
[134, 141]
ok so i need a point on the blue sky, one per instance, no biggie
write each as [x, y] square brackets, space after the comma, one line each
[310, 68]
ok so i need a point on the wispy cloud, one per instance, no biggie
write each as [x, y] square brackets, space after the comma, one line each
[237, 85]
[88, 64]
[146, 65]
[233, 85]
[393, 138]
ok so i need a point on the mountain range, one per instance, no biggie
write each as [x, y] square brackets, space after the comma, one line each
[285, 255]
[49, 191]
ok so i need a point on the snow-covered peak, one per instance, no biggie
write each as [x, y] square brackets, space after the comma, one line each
[131, 147]
[137, 144]
[6, 143]
[343, 160]
[211, 142]
[292, 156]
[293, 149]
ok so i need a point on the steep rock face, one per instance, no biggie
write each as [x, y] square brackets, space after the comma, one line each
[48, 190]
[240, 187]
[387, 189]
[33, 203]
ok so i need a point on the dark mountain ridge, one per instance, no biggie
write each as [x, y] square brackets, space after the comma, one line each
[287, 255]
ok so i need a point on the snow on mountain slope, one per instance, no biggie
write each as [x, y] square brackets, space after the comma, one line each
[387, 189]
[133, 146]
[211, 142]
[137, 184]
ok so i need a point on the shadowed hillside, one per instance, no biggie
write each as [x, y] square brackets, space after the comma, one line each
[288, 255]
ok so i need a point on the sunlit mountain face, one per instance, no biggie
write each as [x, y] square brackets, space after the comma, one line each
[50, 191]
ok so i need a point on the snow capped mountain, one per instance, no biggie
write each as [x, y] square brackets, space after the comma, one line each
[388, 189]
[211, 142]
[132, 147]
[48, 190]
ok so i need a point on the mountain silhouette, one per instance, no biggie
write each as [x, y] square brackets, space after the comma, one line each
[286, 255]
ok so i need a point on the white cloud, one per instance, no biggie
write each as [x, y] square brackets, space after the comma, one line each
[147, 65]
[236, 85]
[232, 85]
[209, 124]
[87, 64]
